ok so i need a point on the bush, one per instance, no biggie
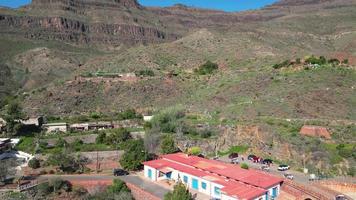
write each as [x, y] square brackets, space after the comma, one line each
[44, 189]
[118, 186]
[168, 120]
[345, 61]
[101, 139]
[244, 166]
[145, 72]
[129, 114]
[34, 163]
[205, 133]
[168, 145]
[180, 192]
[285, 63]
[194, 151]
[118, 136]
[207, 68]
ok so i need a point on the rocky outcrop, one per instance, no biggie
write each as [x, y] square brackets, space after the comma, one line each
[64, 29]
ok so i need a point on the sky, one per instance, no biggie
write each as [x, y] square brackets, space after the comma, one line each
[226, 5]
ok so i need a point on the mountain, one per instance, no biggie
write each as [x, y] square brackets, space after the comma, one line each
[125, 37]
[53, 54]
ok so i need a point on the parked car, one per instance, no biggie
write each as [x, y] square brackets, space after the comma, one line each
[120, 172]
[251, 157]
[235, 161]
[283, 167]
[267, 161]
[265, 168]
[288, 176]
[340, 197]
[256, 159]
[233, 155]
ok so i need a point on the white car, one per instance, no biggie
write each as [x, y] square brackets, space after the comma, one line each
[289, 176]
[283, 167]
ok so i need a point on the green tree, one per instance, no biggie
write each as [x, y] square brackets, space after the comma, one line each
[13, 114]
[34, 163]
[118, 136]
[180, 192]
[168, 145]
[118, 186]
[101, 139]
[134, 155]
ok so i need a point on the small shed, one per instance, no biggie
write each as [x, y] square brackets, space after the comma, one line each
[315, 131]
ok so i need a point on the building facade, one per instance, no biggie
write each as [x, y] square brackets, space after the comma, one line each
[213, 178]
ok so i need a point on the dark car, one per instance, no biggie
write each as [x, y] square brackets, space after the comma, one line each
[233, 155]
[267, 161]
[251, 157]
[120, 172]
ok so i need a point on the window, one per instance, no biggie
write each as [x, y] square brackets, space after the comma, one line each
[195, 184]
[150, 173]
[217, 191]
[185, 179]
[203, 185]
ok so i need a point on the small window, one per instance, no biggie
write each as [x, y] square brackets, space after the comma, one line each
[217, 191]
[185, 179]
[203, 185]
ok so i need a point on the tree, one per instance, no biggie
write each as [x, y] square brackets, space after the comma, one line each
[168, 145]
[180, 192]
[101, 139]
[34, 163]
[13, 114]
[118, 136]
[118, 186]
[134, 155]
[345, 61]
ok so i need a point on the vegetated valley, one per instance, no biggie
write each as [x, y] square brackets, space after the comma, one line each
[212, 79]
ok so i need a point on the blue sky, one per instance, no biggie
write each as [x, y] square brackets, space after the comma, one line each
[227, 5]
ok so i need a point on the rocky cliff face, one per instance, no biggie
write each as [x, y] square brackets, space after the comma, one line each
[83, 22]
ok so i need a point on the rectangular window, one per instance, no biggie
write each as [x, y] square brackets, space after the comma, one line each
[217, 191]
[195, 184]
[185, 179]
[203, 185]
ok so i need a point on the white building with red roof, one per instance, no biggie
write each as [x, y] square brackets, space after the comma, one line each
[216, 179]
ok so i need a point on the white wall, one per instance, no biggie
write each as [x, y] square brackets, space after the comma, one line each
[154, 173]
[270, 190]
[225, 197]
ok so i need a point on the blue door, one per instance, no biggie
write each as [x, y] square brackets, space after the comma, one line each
[274, 192]
[150, 173]
[195, 184]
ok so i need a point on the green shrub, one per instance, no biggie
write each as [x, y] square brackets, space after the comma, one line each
[168, 145]
[207, 68]
[129, 114]
[180, 192]
[145, 72]
[194, 151]
[34, 163]
[244, 166]
[101, 139]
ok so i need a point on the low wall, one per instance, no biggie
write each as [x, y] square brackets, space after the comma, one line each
[96, 185]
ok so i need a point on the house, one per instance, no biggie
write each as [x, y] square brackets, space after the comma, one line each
[100, 126]
[79, 127]
[33, 121]
[55, 127]
[315, 131]
[7, 144]
[216, 179]
[147, 118]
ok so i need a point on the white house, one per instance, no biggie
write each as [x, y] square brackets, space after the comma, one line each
[213, 178]
[56, 127]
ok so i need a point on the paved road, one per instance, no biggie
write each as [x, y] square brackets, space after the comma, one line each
[146, 185]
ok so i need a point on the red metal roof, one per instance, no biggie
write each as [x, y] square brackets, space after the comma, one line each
[230, 187]
[250, 176]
